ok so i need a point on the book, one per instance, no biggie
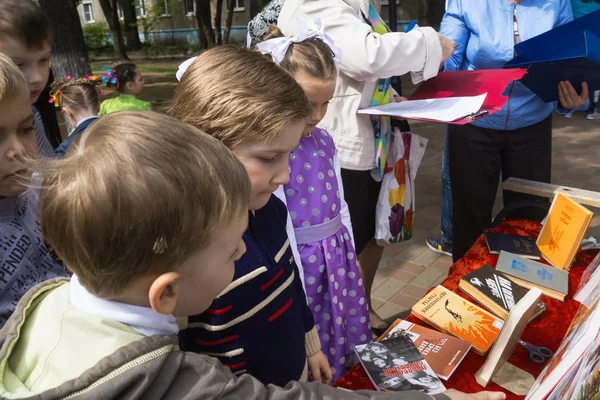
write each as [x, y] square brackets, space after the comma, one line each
[495, 291]
[396, 365]
[563, 231]
[456, 316]
[586, 384]
[513, 328]
[442, 352]
[582, 333]
[589, 285]
[524, 246]
[552, 281]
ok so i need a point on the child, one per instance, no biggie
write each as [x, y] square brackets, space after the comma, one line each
[260, 324]
[319, 213]
[78, 100]
[26, 37]
[129, 82]
[24, 258]
[165, 251]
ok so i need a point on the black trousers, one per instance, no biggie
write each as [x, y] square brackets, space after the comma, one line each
[476, 155]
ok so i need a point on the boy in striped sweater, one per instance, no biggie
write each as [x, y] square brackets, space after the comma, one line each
[260, 324]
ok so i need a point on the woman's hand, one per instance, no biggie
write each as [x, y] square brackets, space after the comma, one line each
[456, 395]
[447, 47]
[568, 96]
[319, 368]
[398, 99]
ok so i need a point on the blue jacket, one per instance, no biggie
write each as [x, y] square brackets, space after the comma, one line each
[64, 146]
[483, 31]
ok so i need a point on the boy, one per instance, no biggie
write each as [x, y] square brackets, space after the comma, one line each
[25, 260]
[26, 37]
[261, 323]
[151, 233]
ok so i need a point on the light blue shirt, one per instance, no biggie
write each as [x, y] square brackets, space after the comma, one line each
[484, 33]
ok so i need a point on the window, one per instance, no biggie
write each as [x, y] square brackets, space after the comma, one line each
[88, 13]
[190, 7]
[120, 11]
[164, 6]
[140, 8]
[239, 5]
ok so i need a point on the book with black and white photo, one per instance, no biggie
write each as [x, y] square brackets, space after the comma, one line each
[395, 365]
[495, 291]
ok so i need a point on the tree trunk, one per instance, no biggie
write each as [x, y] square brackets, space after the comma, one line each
[131, 27]
[204, 23]
[229, 21]
[69, 54]
[256, 6]
[109, 8]
[218, 14]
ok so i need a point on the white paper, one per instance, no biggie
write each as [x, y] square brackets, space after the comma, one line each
[446, 109]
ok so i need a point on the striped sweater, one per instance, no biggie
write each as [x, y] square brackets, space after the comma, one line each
[260, 324]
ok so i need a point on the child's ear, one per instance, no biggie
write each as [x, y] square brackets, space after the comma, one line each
[164, 292]
[129, 86]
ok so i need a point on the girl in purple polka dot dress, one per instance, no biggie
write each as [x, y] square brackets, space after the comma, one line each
[315, 200]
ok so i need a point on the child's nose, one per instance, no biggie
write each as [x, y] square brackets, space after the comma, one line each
[282, 175]
[16, 148]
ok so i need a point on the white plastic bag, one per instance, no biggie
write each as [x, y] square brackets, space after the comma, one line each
[396, 204]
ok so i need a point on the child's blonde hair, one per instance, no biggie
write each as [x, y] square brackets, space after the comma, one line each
[136, 197]
[238, 95]
[76, 93]
[312, 56]
[13, 83]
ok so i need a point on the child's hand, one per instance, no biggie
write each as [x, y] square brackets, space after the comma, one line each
[319, 368]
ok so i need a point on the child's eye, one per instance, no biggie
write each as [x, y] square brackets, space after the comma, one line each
[44, 60]
[27, 130]
[269, 160]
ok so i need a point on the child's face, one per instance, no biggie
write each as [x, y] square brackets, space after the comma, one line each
[34, 63]
[136, 86]
[17, 142]
[208, 272]
[267, 163]
[319, 92]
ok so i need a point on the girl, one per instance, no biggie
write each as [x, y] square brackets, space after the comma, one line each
[79, 101]
[315, 200]
[129, 82]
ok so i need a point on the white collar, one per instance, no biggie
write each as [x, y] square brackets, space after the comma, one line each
[143, 319]
[86, 119]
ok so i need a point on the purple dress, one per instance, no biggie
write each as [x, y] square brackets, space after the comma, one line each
[333, 283]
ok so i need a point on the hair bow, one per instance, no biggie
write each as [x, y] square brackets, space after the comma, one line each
[184, 66]
[55, 97]
[109, 77]
[278, 47]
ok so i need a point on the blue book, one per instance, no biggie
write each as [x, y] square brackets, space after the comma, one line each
[552, 281]
[569, 52]
[523, 246]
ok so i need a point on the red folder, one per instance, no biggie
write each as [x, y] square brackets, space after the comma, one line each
[470, 83]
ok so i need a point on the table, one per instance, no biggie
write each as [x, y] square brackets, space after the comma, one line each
[547, 330]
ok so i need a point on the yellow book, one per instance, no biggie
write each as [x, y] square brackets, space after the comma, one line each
[563, 231]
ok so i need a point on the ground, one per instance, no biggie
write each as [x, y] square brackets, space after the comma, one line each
[409, 269]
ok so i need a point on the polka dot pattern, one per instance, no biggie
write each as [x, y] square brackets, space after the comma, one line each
[331, 274]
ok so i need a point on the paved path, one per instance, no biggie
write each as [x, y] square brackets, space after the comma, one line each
[409, 269]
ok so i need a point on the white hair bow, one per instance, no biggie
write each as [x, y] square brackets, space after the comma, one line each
[184, 66]
[278, 47]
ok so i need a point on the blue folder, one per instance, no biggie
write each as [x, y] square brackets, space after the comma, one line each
[569, 52]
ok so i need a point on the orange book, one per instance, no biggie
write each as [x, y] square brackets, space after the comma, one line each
[563, 231]
[456, 316]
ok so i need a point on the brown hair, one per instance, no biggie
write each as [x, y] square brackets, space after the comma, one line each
[312, 56]
[238, 95]
[124, 73]
[26, 21]
[12, 81]
[137, 196]
[78, 93]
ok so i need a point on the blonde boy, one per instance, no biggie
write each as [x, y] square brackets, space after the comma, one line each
[261, 323]
[24, 258]
[148, 213]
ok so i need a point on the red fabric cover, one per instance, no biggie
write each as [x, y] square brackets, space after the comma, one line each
[547, 330]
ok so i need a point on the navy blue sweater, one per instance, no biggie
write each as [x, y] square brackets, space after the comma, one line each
[64, 146]
[257, 325]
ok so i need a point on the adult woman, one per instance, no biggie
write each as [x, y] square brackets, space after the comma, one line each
[369, 52]
[517, 139]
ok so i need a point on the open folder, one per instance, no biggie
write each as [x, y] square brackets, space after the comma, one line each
[569, 52]
[479, 93]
